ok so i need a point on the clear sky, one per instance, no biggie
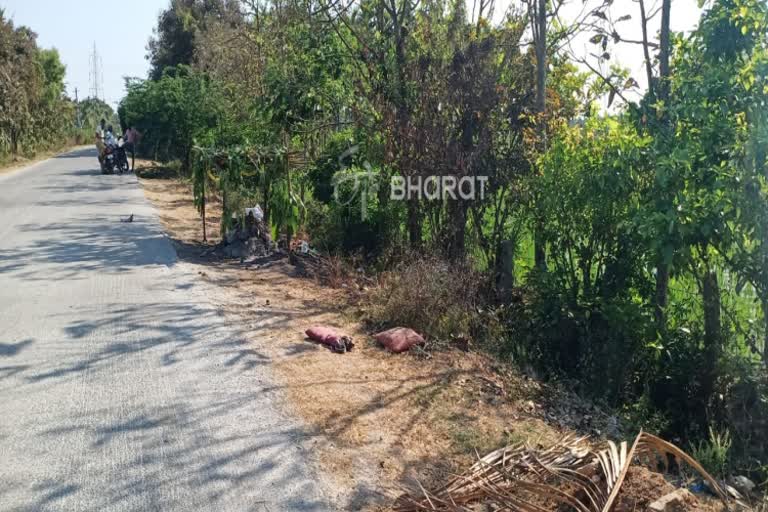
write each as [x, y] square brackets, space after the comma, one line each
[684, 18]
[121, 31]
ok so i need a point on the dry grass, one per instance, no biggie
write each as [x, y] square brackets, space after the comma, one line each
[379, 420]
[438, 298]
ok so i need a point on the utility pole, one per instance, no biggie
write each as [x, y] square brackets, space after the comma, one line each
[96, 75]
[77, 111]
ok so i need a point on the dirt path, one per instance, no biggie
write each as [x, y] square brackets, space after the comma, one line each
[381, 420]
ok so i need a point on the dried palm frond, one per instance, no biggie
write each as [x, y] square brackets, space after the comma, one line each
[526, 479]
[651, 444]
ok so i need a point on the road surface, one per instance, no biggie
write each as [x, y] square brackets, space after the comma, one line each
[121, 388]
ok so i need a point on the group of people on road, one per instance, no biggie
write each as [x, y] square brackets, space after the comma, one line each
[105, 136]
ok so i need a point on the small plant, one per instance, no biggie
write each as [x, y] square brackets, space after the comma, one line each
[642, 415]
[713, 453]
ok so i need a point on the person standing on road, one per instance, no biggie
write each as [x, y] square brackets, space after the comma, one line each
[131, 138]
[101, 128]
[100, 146]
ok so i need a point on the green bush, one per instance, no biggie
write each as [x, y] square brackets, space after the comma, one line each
[172, 112]
[713, 453]
[601, 342]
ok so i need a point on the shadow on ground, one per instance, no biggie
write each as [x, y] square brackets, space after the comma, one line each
[78, 153]
[71, 249]
[210, 441]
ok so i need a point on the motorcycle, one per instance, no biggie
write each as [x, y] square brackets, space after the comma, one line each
[115, 159]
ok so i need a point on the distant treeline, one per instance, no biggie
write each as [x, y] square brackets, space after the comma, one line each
[35, 113]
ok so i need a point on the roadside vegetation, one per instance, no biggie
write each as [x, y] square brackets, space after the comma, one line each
[621, 247]
[35, 113]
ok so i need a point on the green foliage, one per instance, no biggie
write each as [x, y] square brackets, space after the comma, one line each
[53, 75]
[348, 214]
[285, 208]
[34, 113]
[172, 112]
[304, 82]
[588, 195]
[713, 453]
[600, 343]
[90, 112]
[354, 220]
[587, 316]
[309, 110]
[338, 154]
[644, 415]
[173, 42]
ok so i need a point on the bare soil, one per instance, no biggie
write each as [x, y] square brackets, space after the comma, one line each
[380, 422]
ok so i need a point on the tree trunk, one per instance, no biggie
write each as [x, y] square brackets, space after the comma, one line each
[541, 56]
[662, 267]
[765, 330]
[288, 229]
[456, 229]
[414, 224]
[399, 99]
[712, 333]
[187, 162]
[202, 213]
[646, 48]
[14, 142]
[265, 192]
[539, 252]
[505, 270]
[662, 295]
[762, 288]
[664, 50]
[540, 34]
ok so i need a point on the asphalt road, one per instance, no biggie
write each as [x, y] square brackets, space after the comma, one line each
[121, 387]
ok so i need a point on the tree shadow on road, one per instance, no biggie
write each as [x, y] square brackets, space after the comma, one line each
[78, 153]
[72, 249]
[12, 349]
[201, 427]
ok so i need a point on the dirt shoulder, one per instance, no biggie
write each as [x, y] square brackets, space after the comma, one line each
[379, 422]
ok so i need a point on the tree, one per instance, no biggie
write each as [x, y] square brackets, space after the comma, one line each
[702, 126]
[33, 110]
[92, 111]
[20, 82]
[173, 42]
[538, 13]
[172, 112]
